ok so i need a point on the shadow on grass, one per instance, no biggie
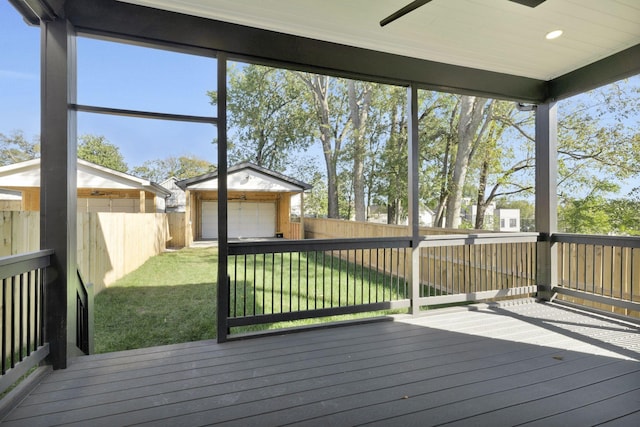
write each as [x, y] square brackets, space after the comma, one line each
[138, 317]
[170, 299]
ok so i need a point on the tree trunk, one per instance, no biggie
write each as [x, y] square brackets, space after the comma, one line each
[319, 86]
[471, 113]
[359, 109]
[482, 188]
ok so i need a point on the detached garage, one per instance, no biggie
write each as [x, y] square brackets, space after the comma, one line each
[259, 203]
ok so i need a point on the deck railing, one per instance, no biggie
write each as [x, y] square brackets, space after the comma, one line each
[287, 280]
[22, 314]
[84, 315]
[461, 268]
[601, 271]
[276, 281]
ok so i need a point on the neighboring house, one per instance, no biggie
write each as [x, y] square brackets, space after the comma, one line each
[177, 202]
[470, 214]
[259, 202]
[507, 219]
[100, 189]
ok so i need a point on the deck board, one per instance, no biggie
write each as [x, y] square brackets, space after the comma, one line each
[494, 365]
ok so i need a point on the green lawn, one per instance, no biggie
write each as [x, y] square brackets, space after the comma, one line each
[172, 297]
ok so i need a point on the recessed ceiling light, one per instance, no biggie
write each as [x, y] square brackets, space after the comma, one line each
[553, 34]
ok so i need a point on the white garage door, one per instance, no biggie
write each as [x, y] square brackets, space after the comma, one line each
[245, 219]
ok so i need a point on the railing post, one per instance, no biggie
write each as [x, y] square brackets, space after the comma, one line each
[58, 190]
[413, 195]
[223, 240]
[546, 197]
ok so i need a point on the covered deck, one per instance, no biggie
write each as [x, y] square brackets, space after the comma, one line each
[513, 363]
[522, 363]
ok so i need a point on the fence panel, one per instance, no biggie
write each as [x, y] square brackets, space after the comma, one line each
[454, 269]
[109, 245]
[601, 272]
[177, 229]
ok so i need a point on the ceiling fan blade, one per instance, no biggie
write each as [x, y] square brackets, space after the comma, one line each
[530, 3]
[408, 8]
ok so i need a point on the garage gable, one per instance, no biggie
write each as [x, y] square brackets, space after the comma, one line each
[247, 177]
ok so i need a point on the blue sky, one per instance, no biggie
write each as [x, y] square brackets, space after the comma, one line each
[119, 76]
[112, 75]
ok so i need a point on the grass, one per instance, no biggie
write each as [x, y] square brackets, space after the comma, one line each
[317, 281]
[170, 299]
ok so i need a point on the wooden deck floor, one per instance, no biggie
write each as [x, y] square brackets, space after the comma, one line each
[531, 364]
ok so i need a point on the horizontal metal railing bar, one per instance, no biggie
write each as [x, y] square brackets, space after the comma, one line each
[477, 239]
[597, 240]
[311, 245]
[616, 302]
[322, 312]
[14, 265]
[144, 114]
[23, 367]
[476, 296]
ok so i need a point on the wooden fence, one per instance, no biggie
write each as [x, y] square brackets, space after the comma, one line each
[446, 269]
[600, 268]
[19, 231]
[316, 228]
[110, 245]
[177, 229]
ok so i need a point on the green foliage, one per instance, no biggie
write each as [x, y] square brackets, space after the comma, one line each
[181, 167]
[315, 200]
[625, 216]
[265, 116]
[96, 149]
[585, 216]
[275, 114]
[598, 138]
[16, 148]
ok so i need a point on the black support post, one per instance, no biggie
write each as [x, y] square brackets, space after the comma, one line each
[223, 239]
[58, 191]
[546, 197]
[413, 192]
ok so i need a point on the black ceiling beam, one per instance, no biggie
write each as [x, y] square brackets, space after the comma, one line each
[110, 18]
[34, 11]
[608, 70]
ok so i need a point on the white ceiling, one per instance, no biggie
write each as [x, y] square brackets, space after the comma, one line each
[494, 35]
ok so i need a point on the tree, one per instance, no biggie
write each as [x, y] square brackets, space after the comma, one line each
[498, 160]
[359, 94]
[96, 149]
[328, 102]
[181, 167]
[472, 123]
[624, 216]
[266, 118]
[15, 148]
